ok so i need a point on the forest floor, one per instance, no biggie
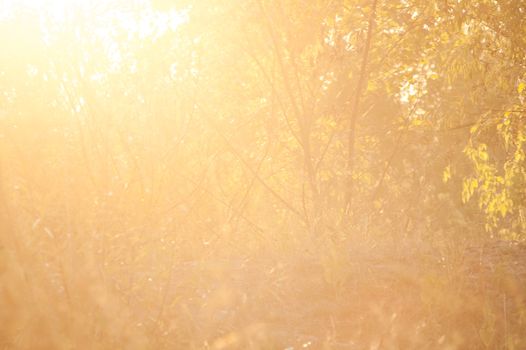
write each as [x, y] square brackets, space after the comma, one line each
[372, 296]
[375, 298]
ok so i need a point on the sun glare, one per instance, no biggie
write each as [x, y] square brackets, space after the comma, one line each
[103, 27]
[135, 17]
[262, 174]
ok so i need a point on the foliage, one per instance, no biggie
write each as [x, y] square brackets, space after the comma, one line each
[137, 137]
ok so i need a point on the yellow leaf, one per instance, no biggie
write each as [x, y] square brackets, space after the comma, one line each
[521, 87]
[417, 122]
[446, 175]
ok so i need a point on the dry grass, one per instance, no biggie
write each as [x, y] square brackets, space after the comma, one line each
[373, 296]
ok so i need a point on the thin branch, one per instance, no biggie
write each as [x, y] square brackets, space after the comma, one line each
[356, 105]
[234, 151]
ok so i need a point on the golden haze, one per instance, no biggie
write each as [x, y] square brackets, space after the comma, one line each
[262, 174]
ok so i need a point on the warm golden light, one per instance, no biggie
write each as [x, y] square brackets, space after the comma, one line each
[262, 174]
[111, 17]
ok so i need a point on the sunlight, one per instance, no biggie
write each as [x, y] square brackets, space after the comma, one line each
[136, 17]
[262, 174]
[96, 24]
